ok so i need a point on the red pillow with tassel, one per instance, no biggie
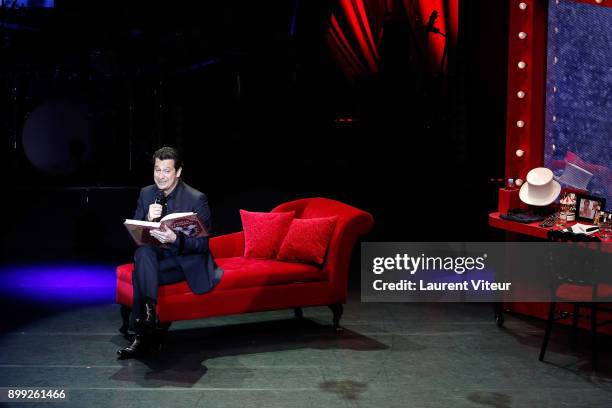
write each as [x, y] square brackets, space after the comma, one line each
[264, 232]
[307, 240]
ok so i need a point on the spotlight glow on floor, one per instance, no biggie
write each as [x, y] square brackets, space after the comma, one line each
[81, 283]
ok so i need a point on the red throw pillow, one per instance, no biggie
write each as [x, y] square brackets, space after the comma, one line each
[307, 240]
[264, 232]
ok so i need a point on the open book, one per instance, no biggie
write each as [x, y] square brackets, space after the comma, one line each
[187, 223]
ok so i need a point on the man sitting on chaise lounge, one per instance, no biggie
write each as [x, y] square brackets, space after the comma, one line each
[180, 258]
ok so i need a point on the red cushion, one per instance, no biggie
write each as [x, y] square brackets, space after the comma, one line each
[264, 232]
[242, 272]
[307, 240]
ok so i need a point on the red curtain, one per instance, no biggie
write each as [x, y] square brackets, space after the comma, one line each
[354, 34]
[356, 28]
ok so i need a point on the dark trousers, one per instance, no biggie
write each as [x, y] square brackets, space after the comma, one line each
[153, 267]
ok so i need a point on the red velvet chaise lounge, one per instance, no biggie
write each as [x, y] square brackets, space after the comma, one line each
[255, 285]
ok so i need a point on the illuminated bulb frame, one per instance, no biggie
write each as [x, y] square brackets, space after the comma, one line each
[524, 116]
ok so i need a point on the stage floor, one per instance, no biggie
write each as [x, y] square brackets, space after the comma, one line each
[389, 355]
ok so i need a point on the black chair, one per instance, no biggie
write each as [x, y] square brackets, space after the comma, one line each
[577, 270]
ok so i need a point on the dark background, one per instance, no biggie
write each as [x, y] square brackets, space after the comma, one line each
[262, 116]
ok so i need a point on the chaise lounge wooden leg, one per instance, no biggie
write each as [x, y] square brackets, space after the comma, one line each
[125, 319]
[298, 312]
[337, 310]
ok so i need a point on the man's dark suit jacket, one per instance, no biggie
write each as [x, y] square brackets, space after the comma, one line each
[201, 271]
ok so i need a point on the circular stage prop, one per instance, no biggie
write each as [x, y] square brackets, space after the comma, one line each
[58, 137]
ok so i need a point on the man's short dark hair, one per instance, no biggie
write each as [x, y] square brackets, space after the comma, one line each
[169, 153]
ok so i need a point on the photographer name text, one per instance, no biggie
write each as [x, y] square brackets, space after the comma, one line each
[407, 285]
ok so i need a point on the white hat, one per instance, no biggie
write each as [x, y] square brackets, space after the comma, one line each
[575, 176]
[540, 188]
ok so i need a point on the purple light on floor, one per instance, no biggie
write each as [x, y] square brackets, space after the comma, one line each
[81, 283]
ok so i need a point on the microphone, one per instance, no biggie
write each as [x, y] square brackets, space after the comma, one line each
[160, 199]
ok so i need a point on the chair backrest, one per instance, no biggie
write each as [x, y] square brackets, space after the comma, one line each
[577, 259]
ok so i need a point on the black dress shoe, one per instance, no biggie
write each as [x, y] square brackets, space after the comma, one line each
[137, 349]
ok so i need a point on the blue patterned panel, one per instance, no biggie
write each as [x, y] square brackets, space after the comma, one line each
[578, 120]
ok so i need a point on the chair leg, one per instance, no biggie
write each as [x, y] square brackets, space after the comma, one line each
[549, 323]
[498, 311]
[594, 336]
[337, 310]
[160, 335]
[575, 325]
[125, 319]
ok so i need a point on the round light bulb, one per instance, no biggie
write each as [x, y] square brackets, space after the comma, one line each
[522, 35]
[523, 5]
[522, 64]
[518, 182]
[520, 123]
[598, 1]
[519, 153]
[554, 89]
[520, 94]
